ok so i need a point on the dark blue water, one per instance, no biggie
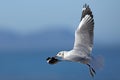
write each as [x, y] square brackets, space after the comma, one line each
[31, 65]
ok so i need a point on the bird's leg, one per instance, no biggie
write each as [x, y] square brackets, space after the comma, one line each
[92, 71]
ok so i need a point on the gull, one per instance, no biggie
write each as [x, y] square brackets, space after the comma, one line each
[83, 43]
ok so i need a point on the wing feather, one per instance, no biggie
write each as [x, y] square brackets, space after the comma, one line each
[84, 32]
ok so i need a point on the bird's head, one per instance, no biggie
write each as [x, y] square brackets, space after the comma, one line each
[60, 54]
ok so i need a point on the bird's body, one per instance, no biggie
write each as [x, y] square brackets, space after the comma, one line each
[75, 56]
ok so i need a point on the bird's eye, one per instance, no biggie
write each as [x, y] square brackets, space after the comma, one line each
[59, 53]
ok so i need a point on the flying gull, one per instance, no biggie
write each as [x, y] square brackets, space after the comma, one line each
[83, 44]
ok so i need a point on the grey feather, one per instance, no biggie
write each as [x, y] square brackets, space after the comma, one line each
[85, 31]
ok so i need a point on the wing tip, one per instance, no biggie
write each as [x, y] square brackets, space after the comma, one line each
[85, 6]
[86, 11]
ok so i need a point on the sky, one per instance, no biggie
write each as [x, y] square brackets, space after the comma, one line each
[26, 16]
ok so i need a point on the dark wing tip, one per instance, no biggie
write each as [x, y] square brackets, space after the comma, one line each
[86, 11]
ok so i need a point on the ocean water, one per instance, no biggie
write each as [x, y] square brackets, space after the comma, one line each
[31, 65]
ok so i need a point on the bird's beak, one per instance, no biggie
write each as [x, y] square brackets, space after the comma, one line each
[57, 58]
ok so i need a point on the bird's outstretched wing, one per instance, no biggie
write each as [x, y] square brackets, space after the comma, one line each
[84, 32]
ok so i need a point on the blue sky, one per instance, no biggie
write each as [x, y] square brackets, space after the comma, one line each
[25, 16]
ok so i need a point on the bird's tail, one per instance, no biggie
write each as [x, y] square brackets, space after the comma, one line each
[97, 62]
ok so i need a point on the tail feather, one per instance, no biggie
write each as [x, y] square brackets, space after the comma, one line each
[97, 62]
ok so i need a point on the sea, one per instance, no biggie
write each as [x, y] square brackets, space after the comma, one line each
[30, 64]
